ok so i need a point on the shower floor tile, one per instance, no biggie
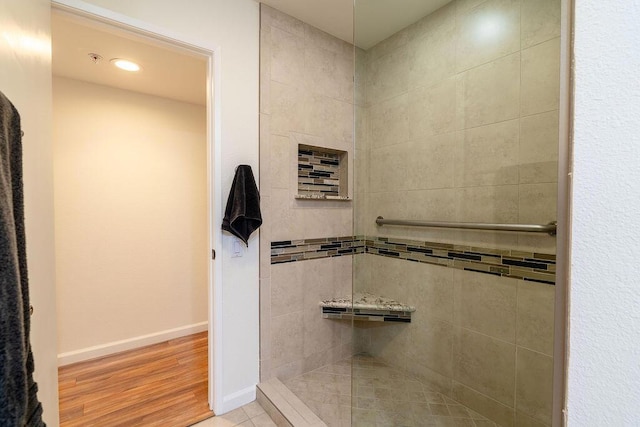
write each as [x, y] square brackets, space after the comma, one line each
[382, 396]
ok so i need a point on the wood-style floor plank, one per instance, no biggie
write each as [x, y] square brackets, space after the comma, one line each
[160, 385]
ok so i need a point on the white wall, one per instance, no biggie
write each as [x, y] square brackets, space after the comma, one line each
[604, 368]
[232, 26]
[25, 77]
[130, 186]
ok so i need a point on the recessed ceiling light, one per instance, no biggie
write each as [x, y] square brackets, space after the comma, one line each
[126, 65]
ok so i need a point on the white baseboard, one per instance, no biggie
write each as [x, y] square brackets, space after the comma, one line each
[238, 399]
[129, 344]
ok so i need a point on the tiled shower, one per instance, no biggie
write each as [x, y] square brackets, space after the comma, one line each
[452, 118]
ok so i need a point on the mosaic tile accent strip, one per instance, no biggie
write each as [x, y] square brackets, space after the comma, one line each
[534, 267]
[529, 266]
[318, 173]
[300, 250]
[366, 315]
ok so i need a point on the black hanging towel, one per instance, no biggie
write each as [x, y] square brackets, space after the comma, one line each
[242, 215]
[19, 405]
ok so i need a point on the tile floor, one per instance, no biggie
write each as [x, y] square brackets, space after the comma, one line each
[250, 415]
[382, 396]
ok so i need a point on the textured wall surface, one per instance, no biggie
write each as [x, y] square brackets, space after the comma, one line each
[604, 372]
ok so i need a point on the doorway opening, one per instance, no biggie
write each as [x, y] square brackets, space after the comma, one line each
[134, 192]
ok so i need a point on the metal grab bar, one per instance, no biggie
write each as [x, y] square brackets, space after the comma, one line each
[549, 228]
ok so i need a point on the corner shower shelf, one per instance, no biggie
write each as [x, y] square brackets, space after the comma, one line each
[367, 307]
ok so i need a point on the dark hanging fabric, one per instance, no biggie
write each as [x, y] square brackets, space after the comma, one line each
[19, 405]
[242, 215]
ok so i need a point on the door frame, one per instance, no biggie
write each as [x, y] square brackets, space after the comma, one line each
[210, 51]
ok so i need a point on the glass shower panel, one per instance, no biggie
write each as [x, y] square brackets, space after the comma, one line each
[456, 120]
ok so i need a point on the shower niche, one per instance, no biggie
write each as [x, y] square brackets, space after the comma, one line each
[322, 173]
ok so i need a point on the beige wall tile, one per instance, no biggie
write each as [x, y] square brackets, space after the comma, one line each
[287, 284]
[361, 173]
[385, 341]
[265, 370]
[388, 76]
[464, 6]
[430, 291]
[265, 237]
[538, 203]
[294, 337]
[432, 345]
[487, 32]
[285, 222]
[286, 341]
[534, 385]
[391, 204]
[328, 73]
[318, 38]
[388, 168]
[265, 319]
[431, 162]
[287, 58]
[328, 117]
[485, 304]
[360, 213]
[432, 109]
[389, 122]
[540, 21]
[481, 104]
[536, 316]
[539, 136]
[362, 128]
[362, 271]
[541, 78]
[319, 334]
[360, 77]
[537, 243]
[389, 278]
[265, 68]
[484, 364]
[489, 155]
[361, 340]
[389, 45]
[322, 279]
[432, 205]
[343, 274]
[433, 37]
[488, 204]
[288, 370]
[495, 411]
[274, 17]
[523, 420]
[434, 22]
[337, 221]
[280, 161]
[264, 177]
[287, 109]
[432, 379]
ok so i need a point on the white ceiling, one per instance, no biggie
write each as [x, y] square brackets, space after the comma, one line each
[166, 72]
[375, 19]
[177, 74]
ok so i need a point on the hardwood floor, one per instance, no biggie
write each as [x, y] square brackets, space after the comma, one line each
[160, 385]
